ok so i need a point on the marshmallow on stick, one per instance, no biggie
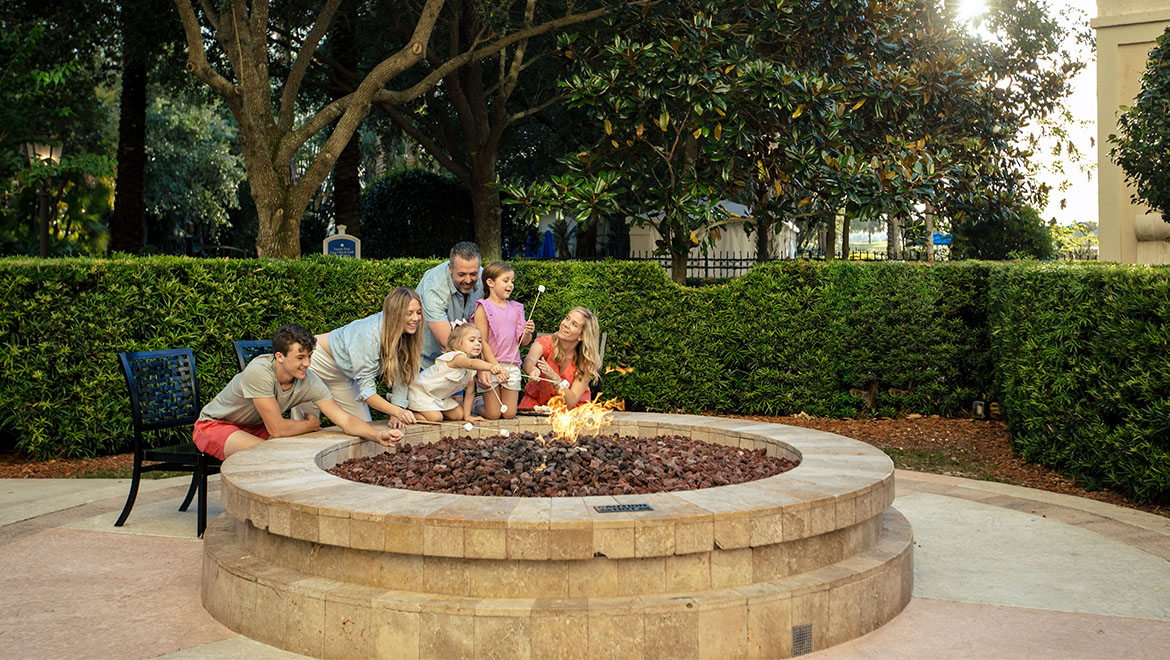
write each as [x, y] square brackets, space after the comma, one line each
[539, 290]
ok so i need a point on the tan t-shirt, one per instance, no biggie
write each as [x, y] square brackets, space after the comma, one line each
[258, 381]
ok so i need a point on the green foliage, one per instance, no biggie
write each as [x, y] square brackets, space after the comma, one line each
[784, 339]
[1075, 353]
[415, 213]
[992, 228]
[1142, 143]
[62, 324]
[192, 173]
[1081, 369]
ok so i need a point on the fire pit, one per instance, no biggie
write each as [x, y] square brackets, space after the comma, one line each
[315, 564]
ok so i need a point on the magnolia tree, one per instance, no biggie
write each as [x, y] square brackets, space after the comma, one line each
[232, 44]
[819, 106]
[1142, 142]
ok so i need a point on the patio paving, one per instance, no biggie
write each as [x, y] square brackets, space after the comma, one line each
[1000, 572]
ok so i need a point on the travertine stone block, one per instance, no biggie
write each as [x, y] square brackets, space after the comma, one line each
[688, 572]
[593, 578]
[653, 538]
[485, 543]
[441, 539]
[732, 531]
[528, 542]
[614, 542]
[642, 576]
[732, 568]
[394, 634]
[797, 523]
[444, 636]
[614, 635]
[813, 608]
[694, 537]
[503, 638]
[723, 631]
[445, 576]
[570, 543]
[404, 537]
[564, 635]
[400, 571]
[770, 562]
[769, 627]
[347, 630]
[304, 625]
[844, 612]
[671, 634]
[769, 528]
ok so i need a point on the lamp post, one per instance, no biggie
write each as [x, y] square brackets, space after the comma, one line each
[44, 153]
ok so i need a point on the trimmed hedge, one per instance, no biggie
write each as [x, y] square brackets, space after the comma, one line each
[1083, 367]
[1078, 360]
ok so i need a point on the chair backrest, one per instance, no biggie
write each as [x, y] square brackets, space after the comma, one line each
[247, 349]
[164, 391]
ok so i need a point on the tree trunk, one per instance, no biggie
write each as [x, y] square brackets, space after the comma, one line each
[929, 234]
[485, 201]
[831, 238]
[127, 226]
[347, 185]
[764, 224]
[678, 266]
[845, 236]
[894, 237]
[587, 240]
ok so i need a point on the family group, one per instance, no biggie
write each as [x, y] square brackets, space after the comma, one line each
[433, 347]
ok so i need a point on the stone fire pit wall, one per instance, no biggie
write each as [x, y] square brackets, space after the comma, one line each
[783, 566]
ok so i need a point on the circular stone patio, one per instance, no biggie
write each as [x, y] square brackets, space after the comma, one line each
[318, 565]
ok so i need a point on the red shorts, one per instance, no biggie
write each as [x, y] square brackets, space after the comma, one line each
[211, 435]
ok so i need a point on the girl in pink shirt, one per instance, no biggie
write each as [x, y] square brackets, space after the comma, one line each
[502, 323]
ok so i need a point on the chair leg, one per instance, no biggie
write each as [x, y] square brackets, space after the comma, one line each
[191, 490]
[201, 475]
[133, 491]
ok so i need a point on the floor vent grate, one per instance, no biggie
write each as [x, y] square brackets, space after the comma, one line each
[802, 640]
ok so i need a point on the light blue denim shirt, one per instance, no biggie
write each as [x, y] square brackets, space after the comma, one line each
[357, 350]
[442, 301]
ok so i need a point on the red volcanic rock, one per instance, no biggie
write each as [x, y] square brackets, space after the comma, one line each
[522, 466]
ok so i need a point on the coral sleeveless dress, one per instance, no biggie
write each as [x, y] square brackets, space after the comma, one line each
[538, 392]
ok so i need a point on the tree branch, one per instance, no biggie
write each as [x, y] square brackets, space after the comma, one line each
[292, 85]
[197, 64]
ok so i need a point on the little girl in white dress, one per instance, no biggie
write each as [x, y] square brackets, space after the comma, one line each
[432, 394]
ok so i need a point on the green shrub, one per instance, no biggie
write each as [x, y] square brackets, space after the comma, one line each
[415, 213]
[1142, 143]
[1082, 368]
[1076, 354]
[785, 338]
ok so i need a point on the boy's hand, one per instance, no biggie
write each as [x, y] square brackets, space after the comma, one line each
[387, 437]
[314, 421]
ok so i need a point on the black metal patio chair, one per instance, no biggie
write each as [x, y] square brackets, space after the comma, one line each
[164, 395]
[247, 349]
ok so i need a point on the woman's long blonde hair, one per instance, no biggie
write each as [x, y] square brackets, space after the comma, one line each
[400, 351]
[587, 358]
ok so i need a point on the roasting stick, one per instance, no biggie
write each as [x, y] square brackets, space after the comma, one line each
[466, 426]
[564, 384]
[539, 290]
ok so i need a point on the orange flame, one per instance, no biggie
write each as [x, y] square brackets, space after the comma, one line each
[590, 416]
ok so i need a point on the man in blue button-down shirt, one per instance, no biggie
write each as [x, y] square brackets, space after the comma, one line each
[449, 292]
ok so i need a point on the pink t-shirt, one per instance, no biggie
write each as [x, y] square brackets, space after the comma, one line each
[507, 326]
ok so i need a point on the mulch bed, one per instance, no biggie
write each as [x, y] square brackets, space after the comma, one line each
[526, 466]
[982, 443]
